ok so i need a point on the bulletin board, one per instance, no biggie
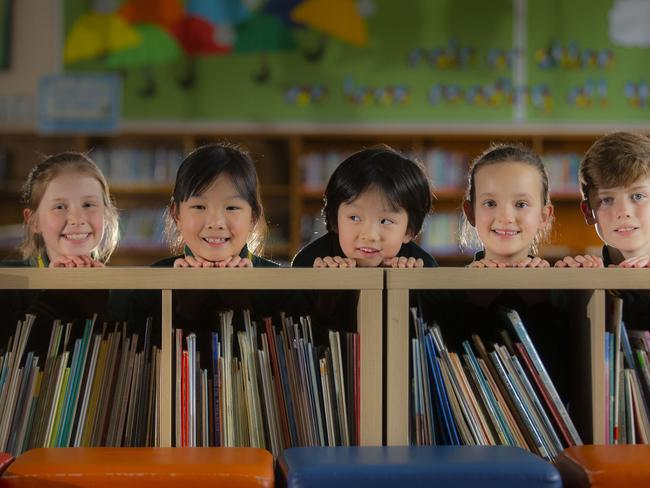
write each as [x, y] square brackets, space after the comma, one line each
[365, 60]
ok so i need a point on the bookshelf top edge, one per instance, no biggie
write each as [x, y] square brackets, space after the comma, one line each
[144, 278]
[525, 278]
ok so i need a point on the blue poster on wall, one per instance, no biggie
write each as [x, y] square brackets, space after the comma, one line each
[79, 103]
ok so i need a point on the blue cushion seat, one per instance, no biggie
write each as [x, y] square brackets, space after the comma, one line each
[436, 466]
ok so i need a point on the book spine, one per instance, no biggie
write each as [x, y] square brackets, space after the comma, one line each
[539, 366]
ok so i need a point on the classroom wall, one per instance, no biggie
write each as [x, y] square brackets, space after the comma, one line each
[35, 51]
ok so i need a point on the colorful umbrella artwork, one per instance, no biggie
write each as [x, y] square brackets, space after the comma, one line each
[263, 34]
[338, 18]
[156, 48]
[164, 13]
[94, 35]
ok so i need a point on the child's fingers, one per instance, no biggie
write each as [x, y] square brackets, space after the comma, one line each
[60, 262]
[98, 264]
[390, 262]
[245, 263]
[330, 262]
[319, 263]
[419, 263]
[351, 263]
[630, 262]
[402, 262]
[233, 262]
[589, 261]
[642, 261]
[192, 262]
[636, 262]
[563, 263]
[543, 263]
[181, 263]
[79, 261]
[525, 263]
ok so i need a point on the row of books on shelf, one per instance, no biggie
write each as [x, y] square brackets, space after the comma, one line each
[273, 389]
[138, 165]
[627, 382]
[100, 390]
[447, 169]
[503, 396]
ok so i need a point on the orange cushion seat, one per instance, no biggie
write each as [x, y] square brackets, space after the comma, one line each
[605, 466]
[5, 460]
[99, 467]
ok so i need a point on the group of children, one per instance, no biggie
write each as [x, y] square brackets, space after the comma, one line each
[375, 204]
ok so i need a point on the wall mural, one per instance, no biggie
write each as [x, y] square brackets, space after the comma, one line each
[366, 60]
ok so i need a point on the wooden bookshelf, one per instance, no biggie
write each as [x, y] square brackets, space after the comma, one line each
[590, 301]
[369, 282]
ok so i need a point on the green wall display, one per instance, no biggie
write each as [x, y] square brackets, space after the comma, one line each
[363, 60]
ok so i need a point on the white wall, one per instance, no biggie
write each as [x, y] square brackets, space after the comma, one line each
[36, 50]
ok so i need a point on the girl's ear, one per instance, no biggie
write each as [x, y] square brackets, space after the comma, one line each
[468, 210]
[30, 221]
[547, 214]
[588, 213]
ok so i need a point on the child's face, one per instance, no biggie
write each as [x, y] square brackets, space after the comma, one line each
[216, 224]
[508, 210]
[70, 216]
[622, 217]
[369, 231]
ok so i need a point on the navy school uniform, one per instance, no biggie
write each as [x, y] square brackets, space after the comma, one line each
[334, 309]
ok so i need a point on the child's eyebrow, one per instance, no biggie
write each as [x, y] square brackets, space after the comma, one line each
[640, 187]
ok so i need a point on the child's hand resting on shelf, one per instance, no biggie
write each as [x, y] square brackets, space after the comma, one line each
[334, 262]
[403, 262]
[486, 263]
[528, 262]
[635, 262]
[198, 262]
[581, 261]
[75, 262]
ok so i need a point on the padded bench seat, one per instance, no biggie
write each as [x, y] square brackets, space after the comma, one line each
[99, 467]
[605, 466]
[436, 466]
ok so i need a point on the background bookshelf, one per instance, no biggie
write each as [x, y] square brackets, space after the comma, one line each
[294, 162]
[369, 283]
[587, 289]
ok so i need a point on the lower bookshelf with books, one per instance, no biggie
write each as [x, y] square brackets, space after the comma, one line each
[260, 397]
[446, 384]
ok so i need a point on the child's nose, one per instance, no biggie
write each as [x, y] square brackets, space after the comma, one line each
[216, 220]
[369, 231]
[506, 214]
[75, 216]
[623, 209]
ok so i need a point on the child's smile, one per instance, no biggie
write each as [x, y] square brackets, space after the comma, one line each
[369, 230]
[70, 216]
[216, 224]
[622, 217]
[508, 210]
